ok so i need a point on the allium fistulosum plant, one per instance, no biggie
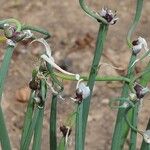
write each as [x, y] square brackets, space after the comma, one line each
[48, 77]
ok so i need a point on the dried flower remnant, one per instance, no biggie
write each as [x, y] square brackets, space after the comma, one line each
[66, 131]
[140, 91]
[49, 59]
[16, 36]
[109, 15]
[82, 92]
[146, 136]
[138, 45]
[34, 85]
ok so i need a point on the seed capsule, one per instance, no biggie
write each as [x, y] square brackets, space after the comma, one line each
[34, 85]
[65, 130]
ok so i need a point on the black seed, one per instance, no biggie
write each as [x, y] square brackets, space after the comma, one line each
[79, 95]
[34, 85]
[138, 88]
[64, 130]
[108, 17]
[135, 42]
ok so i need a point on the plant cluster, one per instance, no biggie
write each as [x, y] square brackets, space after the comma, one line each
[48, 76]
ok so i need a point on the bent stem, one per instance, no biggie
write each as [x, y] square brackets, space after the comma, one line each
[98, 78]
[91, 12]
[36, 29]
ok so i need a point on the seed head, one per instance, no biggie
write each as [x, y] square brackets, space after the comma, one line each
[108, 15]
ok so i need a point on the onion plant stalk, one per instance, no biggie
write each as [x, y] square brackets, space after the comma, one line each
[4, 138]
[121, 127]
[85, 105]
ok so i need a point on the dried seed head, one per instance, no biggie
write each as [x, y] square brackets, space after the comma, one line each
[82, 92]
[18, 36]
[135, 42]
[146, 136]
[108, 15]
[138, 45]
[11, 33]
[79, 96]
[65, 130]
[140, 91]
[34, 85]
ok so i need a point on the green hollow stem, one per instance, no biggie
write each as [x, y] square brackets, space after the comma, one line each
[132, 126]
[78, 132]
[91, 12]
[31, 128]
[98, 78]
[4, 67]
[134, 120]
[139, 7]
[39, 124]
[53, 112]
[133, 137]
[36, 29]
[53, 122]
[4, 138]
[93, 73]
[38, 131]
[27, 120]
[134, 111]
[62, 144]
[11, 21]
[121, 127]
